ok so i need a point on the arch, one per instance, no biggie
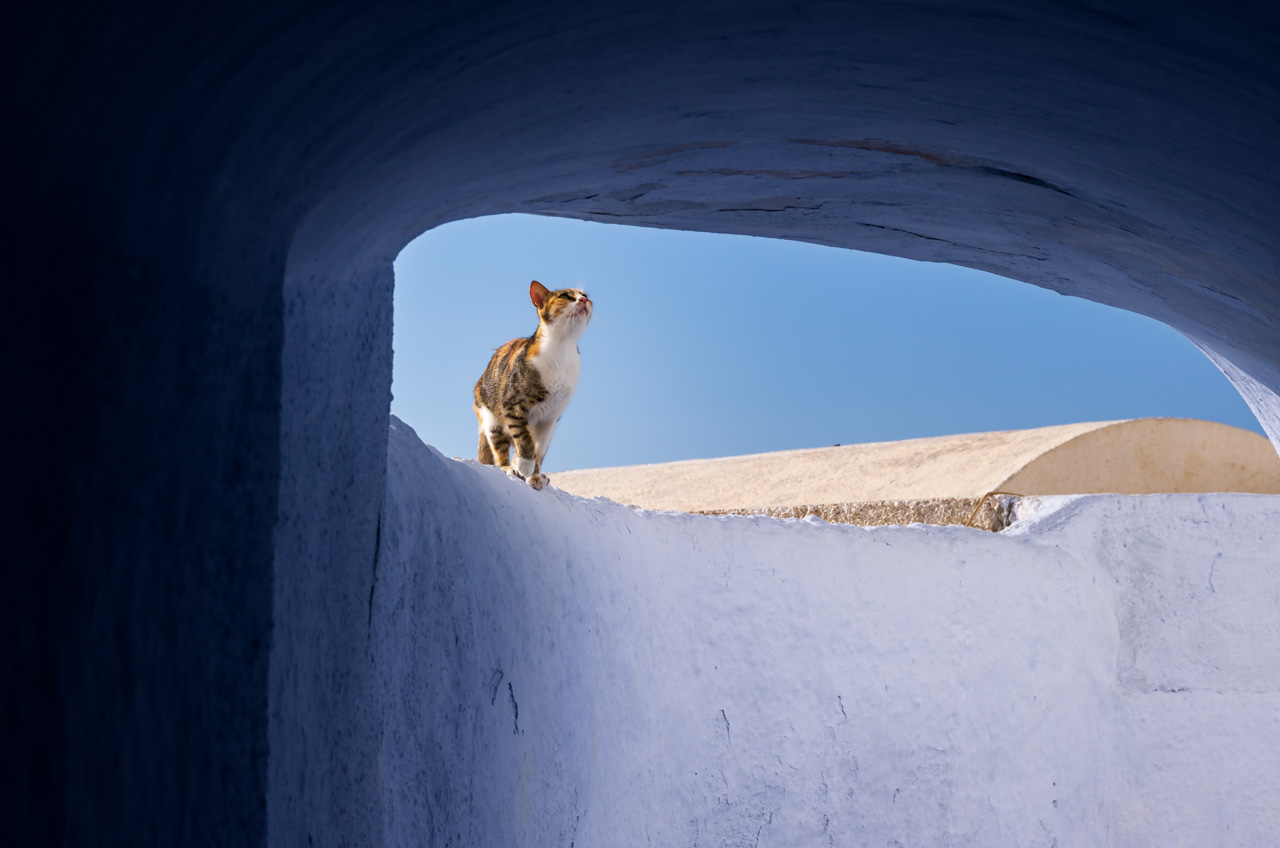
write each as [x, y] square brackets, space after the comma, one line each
[201, 216]
[863, 147]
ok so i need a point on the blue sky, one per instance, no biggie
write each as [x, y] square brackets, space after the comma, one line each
[708, 345]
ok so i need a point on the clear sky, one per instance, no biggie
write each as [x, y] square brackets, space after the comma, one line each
[707, 345]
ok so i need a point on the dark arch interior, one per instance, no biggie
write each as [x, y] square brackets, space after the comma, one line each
[200, 217]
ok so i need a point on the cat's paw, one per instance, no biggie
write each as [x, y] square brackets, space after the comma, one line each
[524, 467]
[538, 480]
[511, 472]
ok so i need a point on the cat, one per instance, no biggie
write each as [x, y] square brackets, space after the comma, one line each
[528, 383]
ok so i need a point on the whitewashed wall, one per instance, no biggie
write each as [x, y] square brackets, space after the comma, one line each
[558, 671]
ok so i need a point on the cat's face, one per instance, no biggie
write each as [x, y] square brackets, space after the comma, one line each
[563, 309]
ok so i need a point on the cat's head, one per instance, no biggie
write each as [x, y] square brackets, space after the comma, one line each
[564, 311]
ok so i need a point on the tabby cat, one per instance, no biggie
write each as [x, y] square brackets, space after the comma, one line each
[523, 392]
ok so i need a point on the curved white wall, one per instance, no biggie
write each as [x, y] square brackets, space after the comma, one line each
[558, 671]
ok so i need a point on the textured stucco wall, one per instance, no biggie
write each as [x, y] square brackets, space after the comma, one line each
[199, 212]
[554, 670]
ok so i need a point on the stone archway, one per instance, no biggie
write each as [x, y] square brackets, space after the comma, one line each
[203, 216]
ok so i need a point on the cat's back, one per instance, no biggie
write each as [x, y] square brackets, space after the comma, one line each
[504, 366]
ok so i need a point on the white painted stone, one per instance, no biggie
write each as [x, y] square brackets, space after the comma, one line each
[553, 670]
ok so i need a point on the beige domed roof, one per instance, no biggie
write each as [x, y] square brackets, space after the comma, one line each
[1140, 456]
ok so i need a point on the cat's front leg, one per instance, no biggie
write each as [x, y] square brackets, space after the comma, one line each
[525, 461]
[524, 467]
[528, 470]
[542, 432]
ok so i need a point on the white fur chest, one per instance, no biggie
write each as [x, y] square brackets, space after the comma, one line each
[558, 365]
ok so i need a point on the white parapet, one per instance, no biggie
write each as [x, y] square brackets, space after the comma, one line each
[561, 671]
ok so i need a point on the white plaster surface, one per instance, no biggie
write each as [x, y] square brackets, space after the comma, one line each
[559, 671]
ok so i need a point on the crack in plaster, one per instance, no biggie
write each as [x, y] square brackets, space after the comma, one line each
[943, 160]
[635, 161]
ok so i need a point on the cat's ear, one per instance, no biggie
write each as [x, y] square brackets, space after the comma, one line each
[538, 293]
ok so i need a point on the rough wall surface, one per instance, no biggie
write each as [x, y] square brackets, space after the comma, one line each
[561, 671]
[198, 211]
[987, 513]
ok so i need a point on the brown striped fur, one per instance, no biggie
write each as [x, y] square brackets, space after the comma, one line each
[528, 383]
